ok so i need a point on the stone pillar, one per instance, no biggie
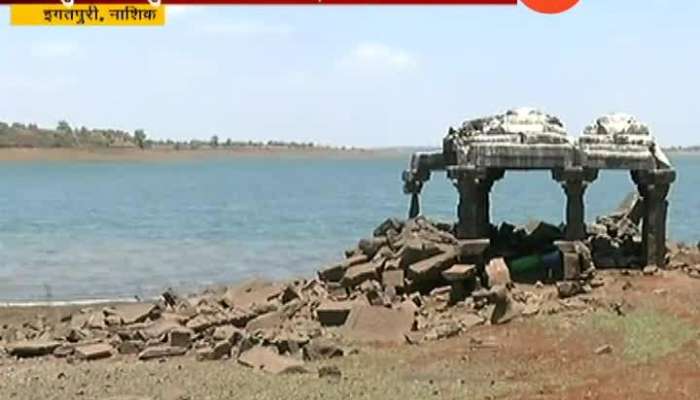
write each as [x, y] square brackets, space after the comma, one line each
[474, 208]
[653, 186]
[574, 181]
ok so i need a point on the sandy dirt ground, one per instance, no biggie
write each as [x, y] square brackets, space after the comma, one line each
[646, 348]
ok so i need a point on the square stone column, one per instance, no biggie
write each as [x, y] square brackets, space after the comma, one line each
[474, 208]
[653, 186]
[574, 181]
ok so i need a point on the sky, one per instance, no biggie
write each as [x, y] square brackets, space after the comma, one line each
[358, 76]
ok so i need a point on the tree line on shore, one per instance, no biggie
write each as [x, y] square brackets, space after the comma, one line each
[18, 135]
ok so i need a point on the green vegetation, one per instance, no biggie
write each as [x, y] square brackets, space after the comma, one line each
[646, 334]
[17, 135]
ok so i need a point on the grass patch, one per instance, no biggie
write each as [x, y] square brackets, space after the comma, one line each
[646, 334]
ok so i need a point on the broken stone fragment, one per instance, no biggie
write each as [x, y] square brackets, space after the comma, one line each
[180, 337]
[357, 274]
[161, 351]
[505, 308]
[568, 289]
[370, 246]
[334, 313]
[431, 268]
[459, 272]
[94, 351]
[217, 351]
[416, 249]
[388, 224]
[63, 351]
[497, 273]
[229, 333]
[393, 278]
[134, 312]
[322, 349]
[266, 321]
[335, 272]
[32, 348]
[266, 359]
[252, 292]
[378, 324]
[158, 329]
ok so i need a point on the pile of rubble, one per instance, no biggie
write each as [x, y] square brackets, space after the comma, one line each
[615, 240]
[406, 283]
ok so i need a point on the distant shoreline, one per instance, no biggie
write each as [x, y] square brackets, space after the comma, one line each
[169, 154]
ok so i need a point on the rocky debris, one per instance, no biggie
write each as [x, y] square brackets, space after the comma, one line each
[615, 240]
[378, 324]
[413, 281]
[33, 348]
[161, 351]
[94, 351]
[334, 313]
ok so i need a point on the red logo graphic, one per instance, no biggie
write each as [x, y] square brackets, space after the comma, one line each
[550, 6]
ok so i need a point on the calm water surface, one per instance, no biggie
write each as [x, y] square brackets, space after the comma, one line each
[82, 230]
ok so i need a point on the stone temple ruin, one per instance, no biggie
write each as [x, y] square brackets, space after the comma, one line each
[478, 153]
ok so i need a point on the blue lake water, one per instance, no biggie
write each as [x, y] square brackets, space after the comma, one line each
[87, 230]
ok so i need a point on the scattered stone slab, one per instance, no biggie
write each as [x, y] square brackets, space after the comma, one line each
[252, 292]
[266, 359]
[180, 337]
[459, 272]
[335, 272]
[431, 268]
[334, 313]
[378, 324]
[266, 321]
[28, 348]
[94, 351]
[134, 312]
[159, 328]
[357, 274]
[161, 351]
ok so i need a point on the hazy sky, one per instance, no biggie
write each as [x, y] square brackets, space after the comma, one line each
[367, 76]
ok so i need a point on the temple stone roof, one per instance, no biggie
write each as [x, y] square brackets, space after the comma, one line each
[519, 126]
[617, 128]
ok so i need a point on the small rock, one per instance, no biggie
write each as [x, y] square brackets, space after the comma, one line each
[604, 349]
[567, 289]
[161, 351]
[650, 270]
[32, 348]
[94, 351]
